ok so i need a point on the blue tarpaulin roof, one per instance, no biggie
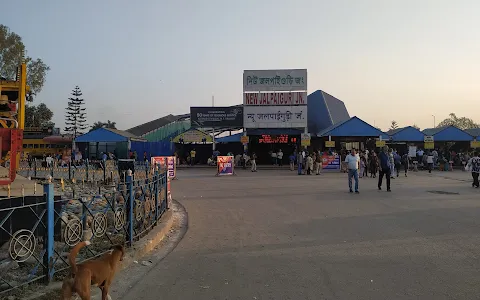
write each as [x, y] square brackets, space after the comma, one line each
[352, 127]
[475, 132]
[230, 138]
[448, 134]
[406, 134]
[107, 135]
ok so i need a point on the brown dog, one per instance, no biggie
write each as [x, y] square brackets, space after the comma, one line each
[97, 272]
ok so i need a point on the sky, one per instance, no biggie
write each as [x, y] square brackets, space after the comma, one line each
[136, 61]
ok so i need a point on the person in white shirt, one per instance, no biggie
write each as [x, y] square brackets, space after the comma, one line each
[274, 158]
[430, 162]
[280, 157]
[352, 160]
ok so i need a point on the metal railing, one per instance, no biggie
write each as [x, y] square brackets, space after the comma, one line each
[37, 232]
[89, 170]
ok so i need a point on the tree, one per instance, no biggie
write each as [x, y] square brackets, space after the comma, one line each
[415, 126]
[76, 118]
[394, 125]
[100, 124]
[38, 116]
[12, 54]
[462, 123]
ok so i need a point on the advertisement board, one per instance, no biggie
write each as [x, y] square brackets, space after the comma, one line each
[224, 165]
[305, 139]
[231, 116]
[275, 80]
[275, 98]
[330, 162]
[275, 116]
[193, 136]
[168, 162]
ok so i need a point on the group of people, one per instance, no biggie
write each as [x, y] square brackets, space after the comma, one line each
[387, 163]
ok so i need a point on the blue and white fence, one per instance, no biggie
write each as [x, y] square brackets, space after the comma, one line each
[37, 232]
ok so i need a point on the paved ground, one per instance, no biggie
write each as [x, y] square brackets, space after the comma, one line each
[276, 235]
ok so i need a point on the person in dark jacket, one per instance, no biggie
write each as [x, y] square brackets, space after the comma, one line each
[385, 168]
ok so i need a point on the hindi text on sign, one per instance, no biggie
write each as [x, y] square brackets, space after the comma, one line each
[272, 98]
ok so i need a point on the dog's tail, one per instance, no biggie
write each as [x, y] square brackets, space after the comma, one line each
[73, 255]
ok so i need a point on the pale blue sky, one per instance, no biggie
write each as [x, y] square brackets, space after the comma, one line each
[140, 60]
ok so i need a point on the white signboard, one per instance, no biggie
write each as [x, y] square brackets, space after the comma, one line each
[275, 116]
[273, 98]
[275, 80]
[428, 139]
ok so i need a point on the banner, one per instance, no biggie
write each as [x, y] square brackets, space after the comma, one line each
[231, 116]
[168, 162]
[275, 80]
[275, 116]
[330, 162]
[224, 165]
[278, 98]
[193, 136]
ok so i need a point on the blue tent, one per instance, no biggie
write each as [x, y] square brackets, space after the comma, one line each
[448, 134]
[406, 134]
[107, 135]
[352, 127]
[324, 110]
[475, 132]
[230, 138]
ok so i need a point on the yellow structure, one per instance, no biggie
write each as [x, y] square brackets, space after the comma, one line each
[13, 95]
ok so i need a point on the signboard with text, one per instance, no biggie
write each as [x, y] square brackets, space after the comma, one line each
[275, 98]
[231, 116]
[224, 165]
[330, 144]
[168, 162]
[275, 116]
[428, 139]
[429, 145]
[305, 139]
[275, 80]
[475, 144]
[330, 162]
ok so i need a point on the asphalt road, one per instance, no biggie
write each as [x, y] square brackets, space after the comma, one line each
[276, 235]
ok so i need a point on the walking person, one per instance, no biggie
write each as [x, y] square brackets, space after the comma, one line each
[430, 162]
[406, 163]
[398, 162]
[392, 163]
[318, 163]
[352, 162]
[253, 160]
[292, 161]
[363, 164]
[373, 165]
[280, 157]
[300, 161]
[474, 166]
[385, 168]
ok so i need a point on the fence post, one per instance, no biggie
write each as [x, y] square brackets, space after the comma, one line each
[157, 179]
[69, 170]
[48, 245]
[86, 168]
[166, 189]
[130, 207]
[51, 169]
[105, 173]
[35, 168]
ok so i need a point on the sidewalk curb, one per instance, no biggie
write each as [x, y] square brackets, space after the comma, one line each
[132, 255]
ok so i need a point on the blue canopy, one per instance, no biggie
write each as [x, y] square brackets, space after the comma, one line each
[448, 134]
[352, 127]
[406, 134]
[230, 138]
[107, 135]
